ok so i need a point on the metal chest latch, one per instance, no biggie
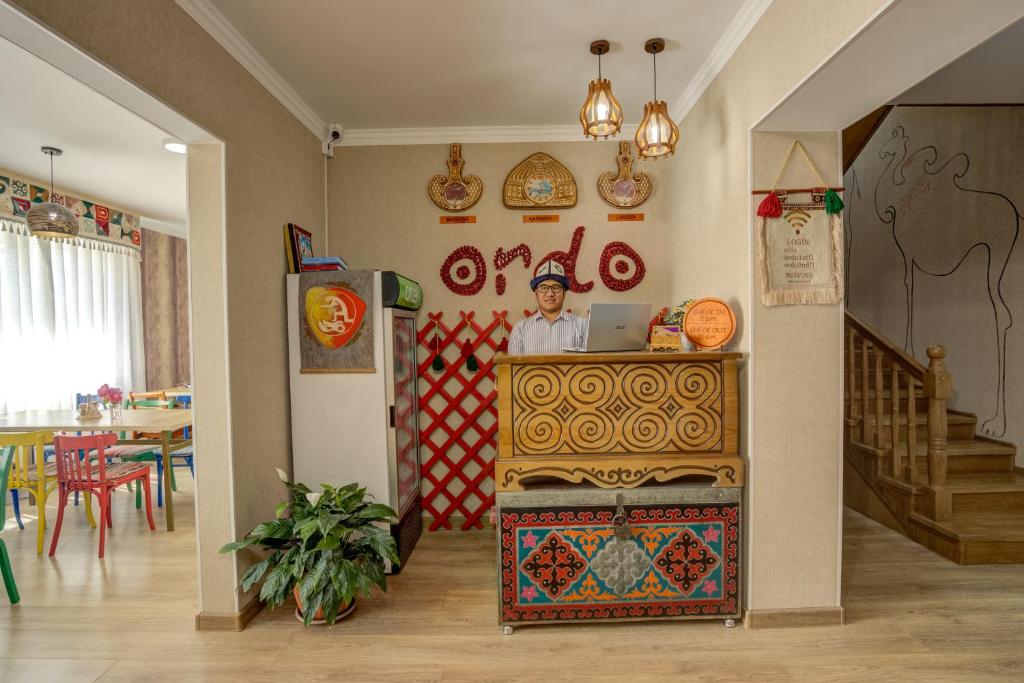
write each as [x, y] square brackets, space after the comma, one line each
[620, 523]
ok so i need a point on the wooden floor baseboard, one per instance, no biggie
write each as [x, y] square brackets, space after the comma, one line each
[228, 621]
[793, 618]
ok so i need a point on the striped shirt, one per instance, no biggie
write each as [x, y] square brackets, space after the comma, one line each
[535, 335]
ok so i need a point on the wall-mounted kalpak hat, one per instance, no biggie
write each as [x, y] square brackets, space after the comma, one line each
[549, 270]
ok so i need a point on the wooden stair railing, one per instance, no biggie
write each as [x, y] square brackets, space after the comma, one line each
[905, 370]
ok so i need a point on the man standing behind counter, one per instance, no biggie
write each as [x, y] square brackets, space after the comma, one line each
[550, 329]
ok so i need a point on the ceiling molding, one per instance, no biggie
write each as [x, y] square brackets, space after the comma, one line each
[469, 134]
[217, 25]
[741, 25]
[166, 227]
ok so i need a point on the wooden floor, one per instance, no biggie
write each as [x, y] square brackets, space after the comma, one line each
[912, 616]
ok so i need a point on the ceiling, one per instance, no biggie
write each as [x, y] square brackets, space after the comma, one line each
[111, 154]
[411, 64]
[989, 74]
[884, 57]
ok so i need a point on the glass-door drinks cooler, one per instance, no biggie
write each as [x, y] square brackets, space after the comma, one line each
[363, 426]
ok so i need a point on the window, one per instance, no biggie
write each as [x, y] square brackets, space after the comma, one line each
[70, 319]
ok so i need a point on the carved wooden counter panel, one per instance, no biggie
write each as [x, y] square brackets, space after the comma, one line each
[617, 419]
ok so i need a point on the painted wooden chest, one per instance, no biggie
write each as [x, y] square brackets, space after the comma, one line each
[572, 554]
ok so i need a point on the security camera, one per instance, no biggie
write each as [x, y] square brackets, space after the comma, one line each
[335, 131]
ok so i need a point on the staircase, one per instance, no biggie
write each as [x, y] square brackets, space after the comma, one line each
[920, 468]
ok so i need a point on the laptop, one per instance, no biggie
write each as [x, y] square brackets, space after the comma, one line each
[616, 327]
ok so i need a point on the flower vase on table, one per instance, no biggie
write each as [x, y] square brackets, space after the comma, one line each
[112, 398]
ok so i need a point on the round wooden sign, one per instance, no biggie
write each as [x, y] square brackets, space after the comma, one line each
[709, 323]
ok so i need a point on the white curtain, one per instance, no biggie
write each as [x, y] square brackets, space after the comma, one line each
[70, 319]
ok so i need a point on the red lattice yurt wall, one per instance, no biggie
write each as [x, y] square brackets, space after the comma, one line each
[459, 415]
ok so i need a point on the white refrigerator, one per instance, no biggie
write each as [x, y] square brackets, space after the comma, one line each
[363, 427]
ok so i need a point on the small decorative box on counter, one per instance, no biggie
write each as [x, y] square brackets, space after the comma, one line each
[570, 554]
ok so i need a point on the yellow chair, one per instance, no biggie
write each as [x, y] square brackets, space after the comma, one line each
[38, 478]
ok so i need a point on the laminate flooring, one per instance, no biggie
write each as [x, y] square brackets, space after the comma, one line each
[911, 616]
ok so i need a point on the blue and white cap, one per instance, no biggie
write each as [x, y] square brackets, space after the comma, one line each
[549, 270]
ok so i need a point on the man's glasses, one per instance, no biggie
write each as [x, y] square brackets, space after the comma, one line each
[555, 289]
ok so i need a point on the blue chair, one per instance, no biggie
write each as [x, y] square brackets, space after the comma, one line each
[186, 456]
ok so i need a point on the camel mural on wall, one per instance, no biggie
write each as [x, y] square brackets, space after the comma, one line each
[852, 191]
[916, 183]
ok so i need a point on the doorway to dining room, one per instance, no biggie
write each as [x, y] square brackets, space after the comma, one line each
[104, 318]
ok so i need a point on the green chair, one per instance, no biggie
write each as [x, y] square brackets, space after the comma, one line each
[150, 455]
[6, 458]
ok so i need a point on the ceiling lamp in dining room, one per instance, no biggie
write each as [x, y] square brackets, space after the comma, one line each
[657, 133]
[601, 113]
[50, 219]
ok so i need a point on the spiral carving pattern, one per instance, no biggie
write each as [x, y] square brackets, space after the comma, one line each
[616, 408]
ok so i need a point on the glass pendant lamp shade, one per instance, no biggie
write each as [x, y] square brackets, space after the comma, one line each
[657, 133]
[50, 219]
[601, 113]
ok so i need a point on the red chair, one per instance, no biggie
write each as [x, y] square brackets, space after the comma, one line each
[93, 474]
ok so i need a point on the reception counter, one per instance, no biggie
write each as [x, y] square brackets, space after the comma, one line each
[619, 488]
[617, 419]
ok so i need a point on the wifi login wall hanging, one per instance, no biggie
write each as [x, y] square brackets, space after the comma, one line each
[800, 242]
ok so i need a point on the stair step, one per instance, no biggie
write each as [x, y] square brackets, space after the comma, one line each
[962, 456]
[987, 492]
[958, 428]
[984, 526]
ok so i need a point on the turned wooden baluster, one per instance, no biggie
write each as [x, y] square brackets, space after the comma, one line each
[911, 471]
[879, 390]
[865, 345]
[851, 384]
[894, 417]
[938, 385]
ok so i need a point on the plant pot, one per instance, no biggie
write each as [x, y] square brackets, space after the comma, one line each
[318, 618]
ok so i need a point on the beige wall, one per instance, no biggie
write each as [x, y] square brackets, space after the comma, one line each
[942, 224]
[273, 174]
[381, 217]
[793, 529]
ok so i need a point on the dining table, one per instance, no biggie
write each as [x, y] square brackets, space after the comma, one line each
[168, 422]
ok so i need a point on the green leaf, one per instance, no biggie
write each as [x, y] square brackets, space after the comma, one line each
[374, 570]
[237, 545]
[307, 528]
[328, 543]
[256, 572]
[381, 542]
[328, 521]
[377, 512]
[314, 581]
[279, 528]
[276, 587]
[279, 510]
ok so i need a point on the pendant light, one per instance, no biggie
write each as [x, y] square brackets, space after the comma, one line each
[657, 134]
[601, 114]
[50, 219]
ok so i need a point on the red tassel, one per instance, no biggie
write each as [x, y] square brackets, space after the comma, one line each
[467, 349]
[770, 206]
[503, 345]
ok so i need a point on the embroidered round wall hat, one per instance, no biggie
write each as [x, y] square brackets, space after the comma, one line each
[549, 270]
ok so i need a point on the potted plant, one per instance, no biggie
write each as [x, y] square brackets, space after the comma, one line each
[325, 547]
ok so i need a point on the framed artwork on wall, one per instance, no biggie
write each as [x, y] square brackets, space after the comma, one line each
[299, 244]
